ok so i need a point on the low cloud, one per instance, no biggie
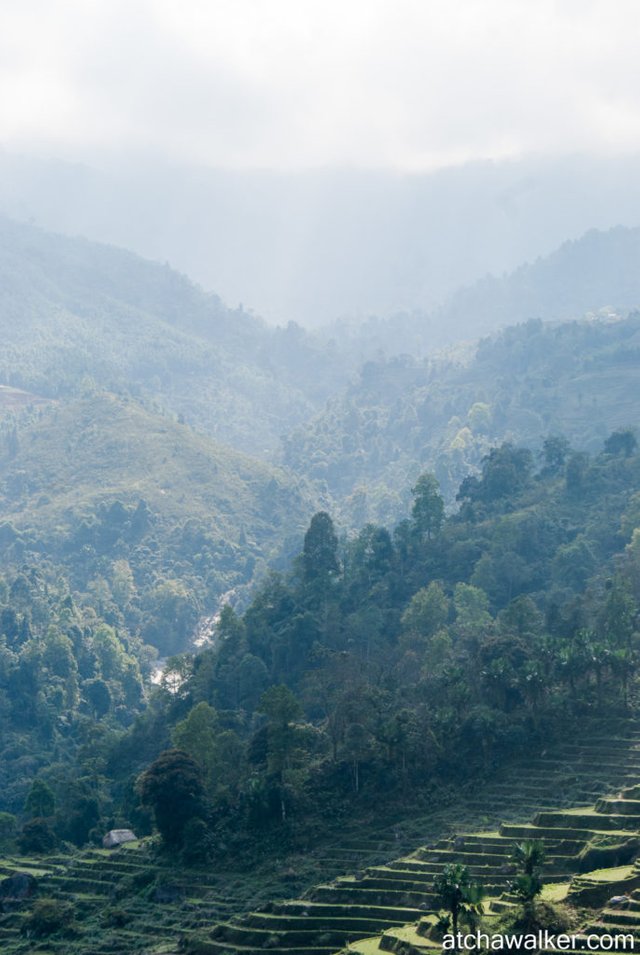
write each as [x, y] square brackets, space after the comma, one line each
[411, 84]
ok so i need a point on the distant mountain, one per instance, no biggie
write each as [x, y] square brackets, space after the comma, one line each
[598, 272]
[317, 245]
[73, 310]
[405, 416]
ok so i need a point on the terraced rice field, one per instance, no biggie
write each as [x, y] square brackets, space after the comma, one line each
[564, 797]
[556, 790]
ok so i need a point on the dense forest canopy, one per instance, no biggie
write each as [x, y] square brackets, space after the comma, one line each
[258, 583]
[404, 415]
[74, 312]
[369, 671]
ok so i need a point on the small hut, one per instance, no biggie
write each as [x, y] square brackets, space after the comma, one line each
[117, 837]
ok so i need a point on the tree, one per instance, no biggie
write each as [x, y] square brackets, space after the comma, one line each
[370, 557]
[37, 836]
[282, 709]
[7, 827]
[458, 894]
[529, 856]
[83, 816]
[356, 749]
[174, 615]
[9, 625]
[98, 697]
[198, 843]
[505, 471]
[428, 506]
[555, 449]
[40, 801]
[176, 674]
[428, 611]
[576, 473]
[320, 551]
[122, 583]
[49, 916]
[196, 735]
[173, 788]
[621, 442]
[471, 605]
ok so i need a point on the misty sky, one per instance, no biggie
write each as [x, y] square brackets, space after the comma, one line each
[410, 84]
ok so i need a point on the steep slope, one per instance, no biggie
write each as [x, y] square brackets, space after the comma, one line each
[71, 310]
[74, 474]
[555, 785]
[596, 274]
[405, 416]
[386, 891]
[600, 270]
[318, 244]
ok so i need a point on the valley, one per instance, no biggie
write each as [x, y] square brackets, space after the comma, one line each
[415, 569]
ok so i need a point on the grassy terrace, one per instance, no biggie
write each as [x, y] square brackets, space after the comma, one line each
[126, 901]
[556, 791]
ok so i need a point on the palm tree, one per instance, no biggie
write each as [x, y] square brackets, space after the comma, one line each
[529, 855]
[458, 894]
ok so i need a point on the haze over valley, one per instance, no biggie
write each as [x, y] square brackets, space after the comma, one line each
[319, 476]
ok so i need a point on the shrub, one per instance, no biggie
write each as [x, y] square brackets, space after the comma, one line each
[37, 836]
[540, 916]
[7, 827]
[116, 918]
[198, 844]
[49, 916]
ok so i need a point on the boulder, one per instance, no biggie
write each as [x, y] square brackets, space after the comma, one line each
[168, 892]
[18, 887]
[618, 901]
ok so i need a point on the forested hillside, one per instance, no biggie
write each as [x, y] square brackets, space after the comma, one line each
[376, 672]
[600, 272]
[596, 275]
[120, 531]
[404, 415]
[74, 312]
[350, 678]
[142, 515]
[364, 676]
[323, 243]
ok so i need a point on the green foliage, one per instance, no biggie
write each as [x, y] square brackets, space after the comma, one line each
[533, 385]
[428, 611]
[197, 843]
[37, 836]
[151, 554]
[416, 662]
[40, 801]
[319, 555]
[458, 894]
[48, 917]
[428, 506]
[622, 441]
[196, 735]
[173, 788]
[527, 887]
[541, 916]
[528, 855]
[77, 318]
